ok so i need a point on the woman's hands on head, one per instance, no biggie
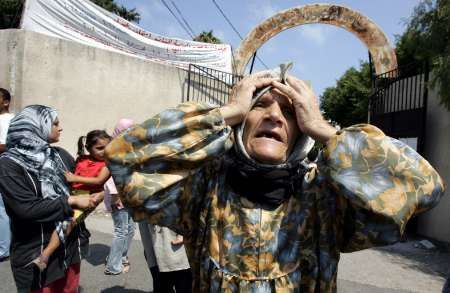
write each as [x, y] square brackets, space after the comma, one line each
[241, 98]
[309, 118]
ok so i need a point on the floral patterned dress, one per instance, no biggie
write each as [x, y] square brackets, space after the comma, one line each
[171, 172]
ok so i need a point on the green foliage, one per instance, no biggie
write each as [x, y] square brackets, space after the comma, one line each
[11, 11]
[347, 102]
[207, 37]
[110, 5]
[427, 39]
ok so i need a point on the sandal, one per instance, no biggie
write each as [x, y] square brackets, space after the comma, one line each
[126, 265]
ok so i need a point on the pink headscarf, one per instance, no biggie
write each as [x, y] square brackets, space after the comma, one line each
[109, 187]
[123, 124]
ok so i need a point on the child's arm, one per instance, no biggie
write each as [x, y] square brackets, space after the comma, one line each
[99, 180]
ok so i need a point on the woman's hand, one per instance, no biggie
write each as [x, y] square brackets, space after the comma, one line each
[70, 177]
[241, 97]
[98, 197]
[82, 202]
[178, 241]
[115, 201]
[309, 118]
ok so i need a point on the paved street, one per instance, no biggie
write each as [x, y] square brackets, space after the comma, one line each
[397, 269]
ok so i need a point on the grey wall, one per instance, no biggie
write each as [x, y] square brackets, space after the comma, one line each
[91, 88]
[436, 223]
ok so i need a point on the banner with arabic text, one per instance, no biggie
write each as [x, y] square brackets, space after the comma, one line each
[84, 22]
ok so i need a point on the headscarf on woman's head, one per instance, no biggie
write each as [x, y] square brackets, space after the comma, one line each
[268, 185]
[28, 134]
[303, 144]
[122, 125]
[27, 145]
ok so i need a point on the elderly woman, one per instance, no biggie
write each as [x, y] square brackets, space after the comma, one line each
[254, 215]
[36, 197]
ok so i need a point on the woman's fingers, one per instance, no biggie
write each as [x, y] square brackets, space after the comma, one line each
[287, 91]
[93, 203]
[82, 203]
[179, 240]
[241, 96]
[296, 90]
[263, 74]
[69, 176]
[264, 81]
[297, 84]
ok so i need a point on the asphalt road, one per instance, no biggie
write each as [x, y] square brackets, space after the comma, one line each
[92, 278]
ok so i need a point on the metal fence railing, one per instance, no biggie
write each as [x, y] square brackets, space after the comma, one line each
[399, 102]
[210, 85]
[398, 90]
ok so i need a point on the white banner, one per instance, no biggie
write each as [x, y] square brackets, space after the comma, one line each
[84, 22]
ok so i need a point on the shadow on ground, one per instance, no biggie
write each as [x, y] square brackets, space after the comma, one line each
[434, 261]
[118, 289]
[97, 254]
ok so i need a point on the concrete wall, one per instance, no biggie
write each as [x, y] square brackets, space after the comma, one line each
[436, 223]
[91, 88]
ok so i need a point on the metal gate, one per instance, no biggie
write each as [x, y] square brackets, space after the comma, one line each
[398, 104]
[210, 85]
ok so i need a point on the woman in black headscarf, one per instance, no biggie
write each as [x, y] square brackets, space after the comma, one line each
[36, 197]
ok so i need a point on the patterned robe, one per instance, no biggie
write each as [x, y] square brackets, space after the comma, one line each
[171, 172]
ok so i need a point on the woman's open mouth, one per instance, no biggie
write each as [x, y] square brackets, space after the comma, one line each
[270, 135]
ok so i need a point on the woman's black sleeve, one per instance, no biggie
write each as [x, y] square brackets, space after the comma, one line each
[21, 200]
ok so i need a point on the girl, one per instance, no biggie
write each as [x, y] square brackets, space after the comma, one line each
[117, 261]
[90, 175]
[91, 171]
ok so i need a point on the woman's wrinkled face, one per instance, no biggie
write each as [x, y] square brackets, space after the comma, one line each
[271, 129]
[98, 149]
[55, 132]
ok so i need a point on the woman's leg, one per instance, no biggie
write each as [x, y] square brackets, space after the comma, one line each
[130, 234]
[68, 284]
[446, 288]
[119, 242]
[156, 280]
[182, 280]
[165, 282]
[72, 279]
[147, 243]
[26, 277]
[5, 232]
